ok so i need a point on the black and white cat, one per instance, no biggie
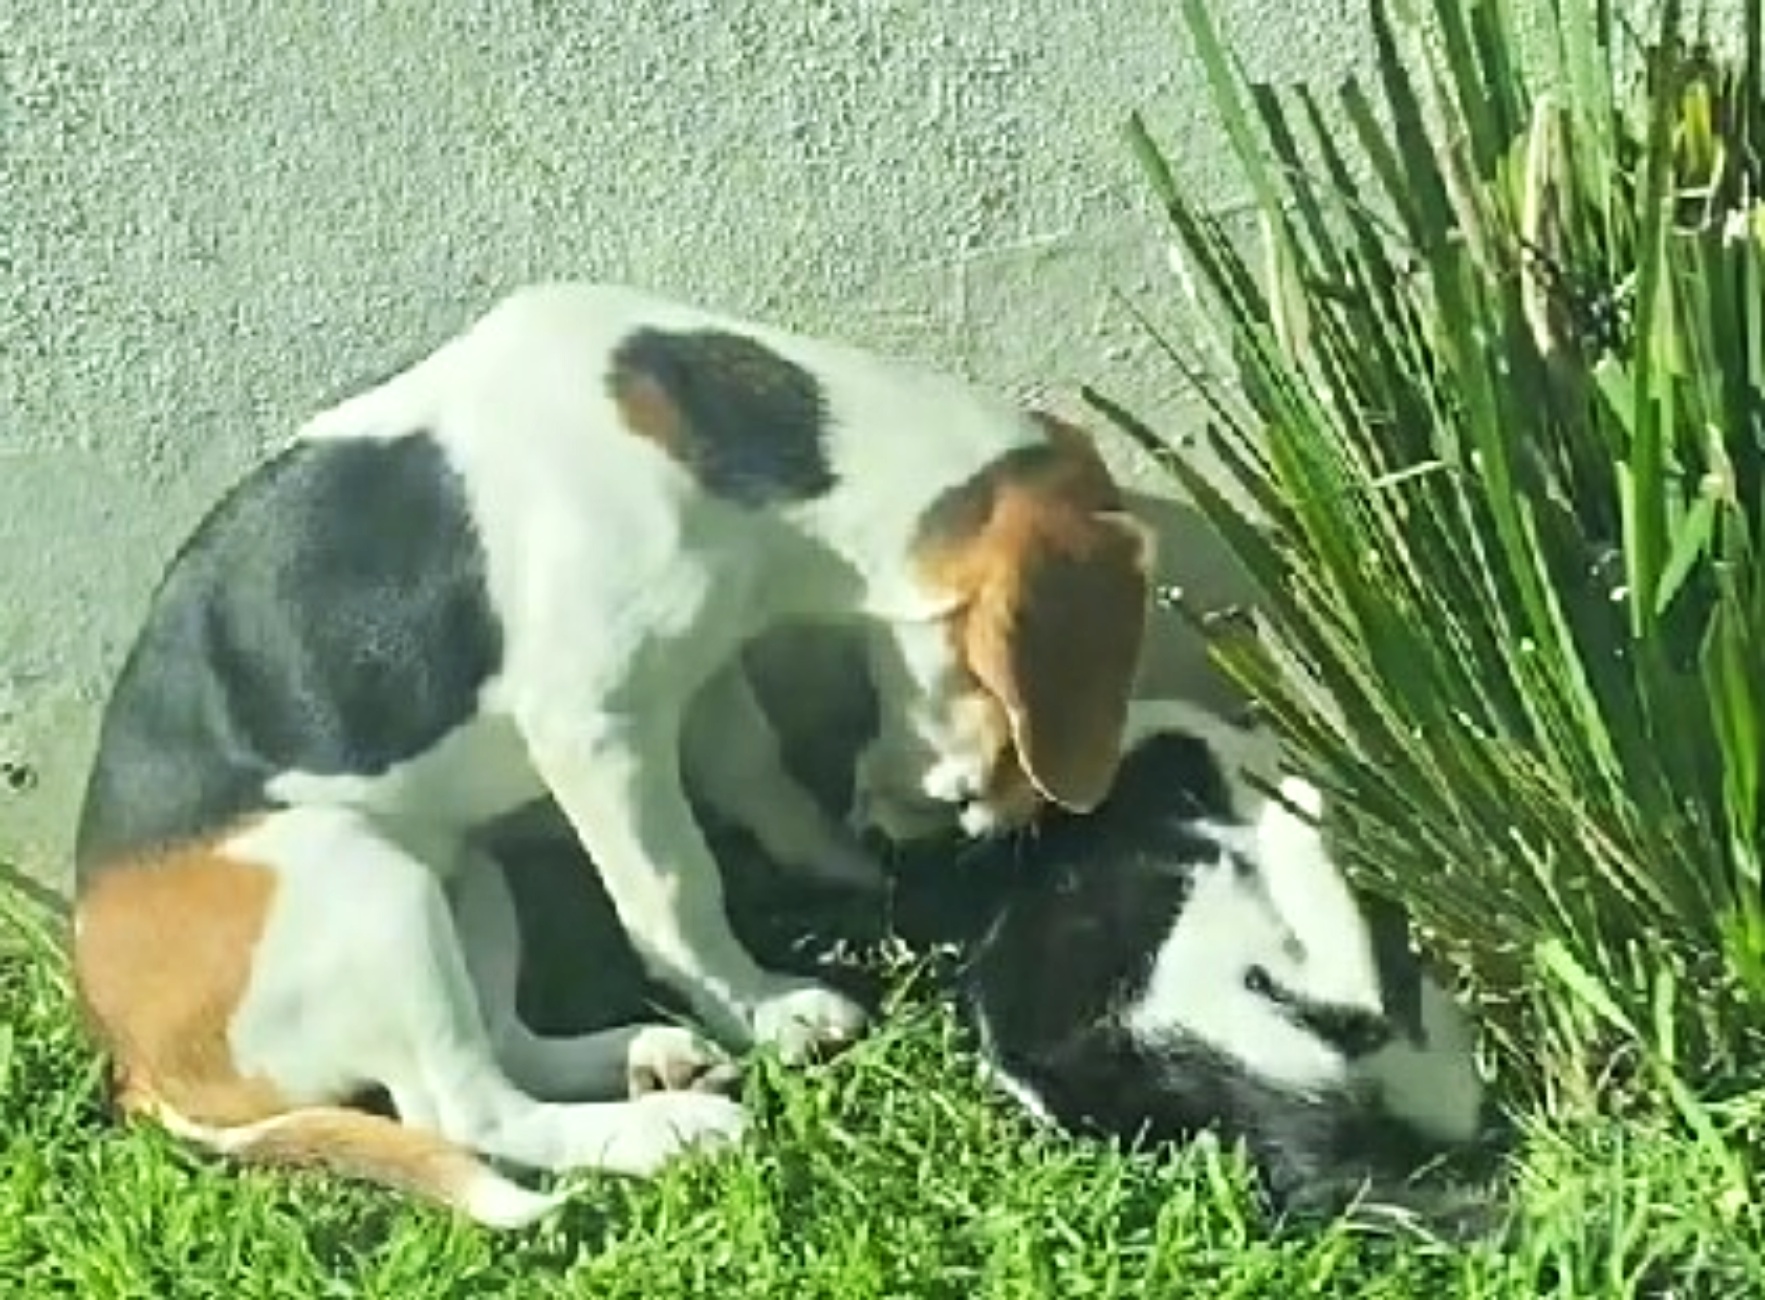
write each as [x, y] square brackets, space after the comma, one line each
[1189, 958]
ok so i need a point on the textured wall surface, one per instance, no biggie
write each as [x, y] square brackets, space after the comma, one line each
[217, 214]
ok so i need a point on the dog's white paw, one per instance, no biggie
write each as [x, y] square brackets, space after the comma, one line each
[496, 1202]
[807, 1020]
[664, 1126]
[672, 1058]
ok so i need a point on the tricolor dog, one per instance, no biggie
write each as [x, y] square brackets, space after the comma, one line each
[524, 567]
[1188, 958]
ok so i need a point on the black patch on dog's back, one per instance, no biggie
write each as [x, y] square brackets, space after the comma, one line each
[329, 615]
[748, 423]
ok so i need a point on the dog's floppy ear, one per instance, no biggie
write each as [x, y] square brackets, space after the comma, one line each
[1054, 633]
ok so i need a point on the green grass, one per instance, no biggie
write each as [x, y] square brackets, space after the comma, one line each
[889, 1172]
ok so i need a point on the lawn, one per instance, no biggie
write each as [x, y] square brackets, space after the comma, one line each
[891, 1171]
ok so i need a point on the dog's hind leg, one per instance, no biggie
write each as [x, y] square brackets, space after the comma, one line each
[167, 948]
[360, 972]
[628, 1059]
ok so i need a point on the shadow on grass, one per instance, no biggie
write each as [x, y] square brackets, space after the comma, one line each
[568, 924]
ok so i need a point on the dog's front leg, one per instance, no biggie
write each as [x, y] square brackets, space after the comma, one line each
[731, 756]
[618, 782]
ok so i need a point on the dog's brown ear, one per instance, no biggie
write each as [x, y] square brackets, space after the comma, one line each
[1054, 632]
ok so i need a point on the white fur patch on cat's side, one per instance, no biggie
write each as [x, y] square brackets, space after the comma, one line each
[1294, 917]
[1313, 900]
[1198, 985]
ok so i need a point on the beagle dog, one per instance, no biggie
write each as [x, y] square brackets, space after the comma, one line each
[525, 566]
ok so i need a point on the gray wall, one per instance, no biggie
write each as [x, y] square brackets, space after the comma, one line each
[216, 214]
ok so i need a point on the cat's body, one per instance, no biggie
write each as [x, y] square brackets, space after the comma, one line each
[1188, 959]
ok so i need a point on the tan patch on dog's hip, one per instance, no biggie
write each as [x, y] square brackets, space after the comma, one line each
[163, 952]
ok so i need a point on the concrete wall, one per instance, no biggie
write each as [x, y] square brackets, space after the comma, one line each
[216, 214]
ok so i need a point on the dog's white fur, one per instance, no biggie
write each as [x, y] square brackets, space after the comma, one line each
[624, 591]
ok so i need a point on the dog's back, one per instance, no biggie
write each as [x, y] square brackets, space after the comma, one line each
[511, 570]
[329, 615]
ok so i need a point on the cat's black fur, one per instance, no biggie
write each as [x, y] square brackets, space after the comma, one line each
[1073, 945]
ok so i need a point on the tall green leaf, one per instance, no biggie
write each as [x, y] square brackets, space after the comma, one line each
[1502, 419]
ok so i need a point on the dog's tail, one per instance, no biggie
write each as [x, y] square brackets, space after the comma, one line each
[362, 1145]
